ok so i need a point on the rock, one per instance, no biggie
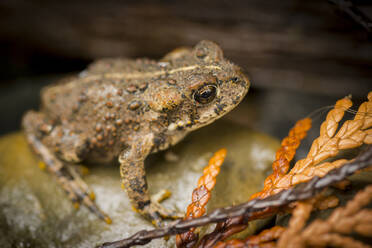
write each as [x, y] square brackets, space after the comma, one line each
[35, 212]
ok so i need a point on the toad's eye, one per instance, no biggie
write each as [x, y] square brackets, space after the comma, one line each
[205, 94]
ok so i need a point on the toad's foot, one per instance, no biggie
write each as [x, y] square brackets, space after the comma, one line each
[69, 178]
[156, 213]
[82, 170]
[161, 196]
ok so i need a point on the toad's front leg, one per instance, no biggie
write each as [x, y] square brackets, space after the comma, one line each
[133, 176]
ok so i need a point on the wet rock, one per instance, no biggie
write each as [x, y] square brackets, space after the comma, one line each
[35, 212]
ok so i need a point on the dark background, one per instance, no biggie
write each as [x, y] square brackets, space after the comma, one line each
[300, 55]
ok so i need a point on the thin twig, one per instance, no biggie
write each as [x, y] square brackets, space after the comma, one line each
[354, 13]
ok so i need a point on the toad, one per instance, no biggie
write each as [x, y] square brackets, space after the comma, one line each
[121, 109]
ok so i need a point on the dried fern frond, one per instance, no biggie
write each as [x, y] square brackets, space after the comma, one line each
[201, 196]
[284, 155]
[265, 239]
[352, 134]
[334, 231]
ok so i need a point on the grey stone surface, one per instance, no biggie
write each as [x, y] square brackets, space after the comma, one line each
[35, 212]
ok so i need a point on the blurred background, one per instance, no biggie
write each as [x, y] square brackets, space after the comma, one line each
[300, 55]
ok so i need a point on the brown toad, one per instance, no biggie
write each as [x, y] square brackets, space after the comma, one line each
[127, 109]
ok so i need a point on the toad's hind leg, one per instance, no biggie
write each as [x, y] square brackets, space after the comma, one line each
[66, 174]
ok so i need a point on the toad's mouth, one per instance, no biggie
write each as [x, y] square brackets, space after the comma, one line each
[218, 111]
[207, 118]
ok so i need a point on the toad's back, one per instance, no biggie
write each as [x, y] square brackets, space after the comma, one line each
[107, 84]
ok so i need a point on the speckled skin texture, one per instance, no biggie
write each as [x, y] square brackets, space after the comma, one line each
[126, 109]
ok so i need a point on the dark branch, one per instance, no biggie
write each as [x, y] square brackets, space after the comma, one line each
[300, 192]
[354, 13]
